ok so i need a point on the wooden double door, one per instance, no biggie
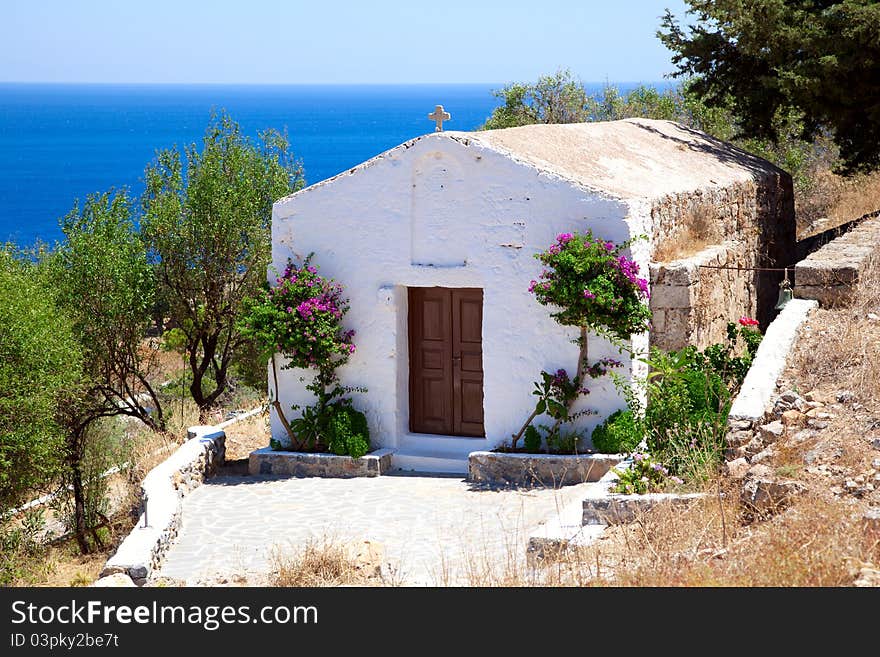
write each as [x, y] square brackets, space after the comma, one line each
[446, 361]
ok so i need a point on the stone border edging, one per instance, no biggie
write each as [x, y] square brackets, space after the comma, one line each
[266, 461]
[162, 491]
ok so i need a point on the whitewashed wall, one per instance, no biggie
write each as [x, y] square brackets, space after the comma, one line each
[441, 211]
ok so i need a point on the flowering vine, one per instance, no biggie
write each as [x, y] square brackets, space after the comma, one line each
[300, 317]
[591, 284]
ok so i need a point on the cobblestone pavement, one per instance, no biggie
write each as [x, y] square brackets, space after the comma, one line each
[436, 530]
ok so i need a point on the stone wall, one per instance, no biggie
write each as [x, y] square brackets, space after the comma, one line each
[161, 492]
[831, 274]
[744, 225]
[691, 305]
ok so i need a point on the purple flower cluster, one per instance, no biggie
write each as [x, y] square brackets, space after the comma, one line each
[323, 303]
[560, 378]
[630, 270]
[601, 367]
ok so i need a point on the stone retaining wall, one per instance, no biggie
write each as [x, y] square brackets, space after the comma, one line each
[538, 470]
[618, 509]
[267, 461]
[831, 274]
[161, 492]
[691, 305]
[750, 224]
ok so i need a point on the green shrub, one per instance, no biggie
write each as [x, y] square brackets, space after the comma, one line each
[644, 475]
[620, 433]
[347, 431]
[532, 439]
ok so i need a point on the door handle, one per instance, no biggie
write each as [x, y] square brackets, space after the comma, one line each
[456, 360]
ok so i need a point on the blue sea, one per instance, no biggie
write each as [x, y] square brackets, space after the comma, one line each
[60, 142]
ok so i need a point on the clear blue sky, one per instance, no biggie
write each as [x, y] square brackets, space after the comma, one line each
[330, 41]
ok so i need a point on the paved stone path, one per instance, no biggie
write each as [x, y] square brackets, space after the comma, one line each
[435, 530]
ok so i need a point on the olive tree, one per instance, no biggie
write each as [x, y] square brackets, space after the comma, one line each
[206, 220]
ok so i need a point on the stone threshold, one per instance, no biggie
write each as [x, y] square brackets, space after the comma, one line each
[267, 461]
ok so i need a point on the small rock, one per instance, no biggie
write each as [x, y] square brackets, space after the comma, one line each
[875, 464]
[875, 443]
[789, 396]
[733, 453]
[740, 425]
[792, 418]
[764, 454]
[814, 404]
[845, 396]
[737, 468]
[811, 456]
[816, 396]
[871, 523]
[116, 580]
[739, 438]
[873, 317]
[763, 495]
[755, 445]
[780, 406]
[818, 424]
[803, 434]
[759, 471]
[850, 484]
[868, 578]
[771, 432]
[859, 479]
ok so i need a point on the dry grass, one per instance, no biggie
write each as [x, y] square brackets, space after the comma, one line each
[833, 201]
[840, 348]
[328, 562]
[246, 435]
[697, 229]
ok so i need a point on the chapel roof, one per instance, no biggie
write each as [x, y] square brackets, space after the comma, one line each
[630, 158]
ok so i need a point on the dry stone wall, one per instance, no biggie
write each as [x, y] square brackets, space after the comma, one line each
[831, 274]
[746, 225]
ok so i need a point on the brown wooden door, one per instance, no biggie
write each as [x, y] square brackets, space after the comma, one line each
[446, 361]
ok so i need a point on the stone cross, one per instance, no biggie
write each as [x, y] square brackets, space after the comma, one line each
[439, 116]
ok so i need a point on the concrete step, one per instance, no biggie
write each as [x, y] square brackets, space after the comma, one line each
[562, 531]
[430, 460]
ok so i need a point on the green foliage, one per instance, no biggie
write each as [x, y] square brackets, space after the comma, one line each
[105, 284]
[22, 553]
[593, 285]
[644, 475]
[766, 62]
[689, 397]
[532, 439]
[102, 448]
[347, 431]
[301, 318]
[620, 433]
[557, 98]
[206, 221]
[40, 373]
[336, 426]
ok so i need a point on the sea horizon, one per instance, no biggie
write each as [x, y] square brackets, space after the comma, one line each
[60, 141]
